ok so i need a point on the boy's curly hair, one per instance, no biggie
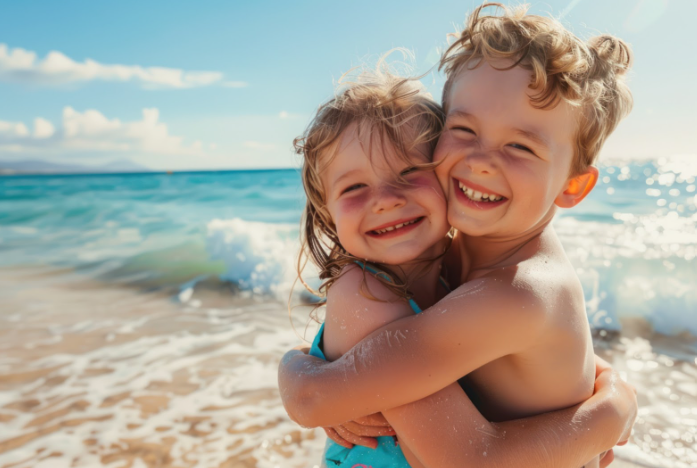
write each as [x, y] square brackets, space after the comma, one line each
[590, 75]
[390, 110]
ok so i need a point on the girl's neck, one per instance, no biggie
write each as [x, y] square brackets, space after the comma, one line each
[422, 275]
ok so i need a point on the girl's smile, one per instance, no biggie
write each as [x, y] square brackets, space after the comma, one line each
[384, 208]
[398, 228]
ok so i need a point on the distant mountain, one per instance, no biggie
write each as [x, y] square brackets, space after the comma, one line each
[36, 166]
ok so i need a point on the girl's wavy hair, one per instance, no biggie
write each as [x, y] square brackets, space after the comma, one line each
[588, 75]
[391, 110]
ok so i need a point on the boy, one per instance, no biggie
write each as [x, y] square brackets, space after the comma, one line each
[528, 106]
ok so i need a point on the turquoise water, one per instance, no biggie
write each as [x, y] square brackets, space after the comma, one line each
[633, 240]
[152, 308]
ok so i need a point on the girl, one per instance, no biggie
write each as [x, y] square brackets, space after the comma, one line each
[375, 225]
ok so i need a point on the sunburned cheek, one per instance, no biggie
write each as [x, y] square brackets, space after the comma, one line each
[422, 181]
[351, 204]
[428, 184]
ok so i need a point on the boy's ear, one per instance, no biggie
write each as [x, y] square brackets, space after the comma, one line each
[577, 188]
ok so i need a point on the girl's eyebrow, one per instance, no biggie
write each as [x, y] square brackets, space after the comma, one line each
[345, 175]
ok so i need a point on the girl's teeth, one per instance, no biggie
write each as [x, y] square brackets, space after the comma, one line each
[392, 228]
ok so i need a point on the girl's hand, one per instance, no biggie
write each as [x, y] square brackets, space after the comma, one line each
[363, 431]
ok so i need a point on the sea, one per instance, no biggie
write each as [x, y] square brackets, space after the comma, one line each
[143, 316]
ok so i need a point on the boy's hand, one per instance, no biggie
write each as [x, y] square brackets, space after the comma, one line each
[622, 396]
[306, 349]
[606, 458]
[363, 431]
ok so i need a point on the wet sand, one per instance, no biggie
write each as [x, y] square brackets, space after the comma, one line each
[97, 375]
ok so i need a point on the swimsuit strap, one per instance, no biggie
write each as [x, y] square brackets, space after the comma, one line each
[444, 284]
[414, 306]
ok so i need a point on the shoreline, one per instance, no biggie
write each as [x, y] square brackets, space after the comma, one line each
[100, 373]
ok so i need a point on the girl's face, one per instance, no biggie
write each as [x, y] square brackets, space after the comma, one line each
[376, 217]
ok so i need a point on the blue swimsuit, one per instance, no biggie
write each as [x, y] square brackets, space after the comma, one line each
[387, 454]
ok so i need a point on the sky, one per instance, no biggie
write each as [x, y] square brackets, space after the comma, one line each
[223, 85]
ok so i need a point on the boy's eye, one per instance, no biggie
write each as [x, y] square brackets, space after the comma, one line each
[352, 187]
[464, 129]
[521, 147]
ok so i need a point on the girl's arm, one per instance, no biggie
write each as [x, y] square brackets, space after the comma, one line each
[479, 322]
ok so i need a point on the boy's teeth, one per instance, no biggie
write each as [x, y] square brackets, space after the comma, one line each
[478, 196]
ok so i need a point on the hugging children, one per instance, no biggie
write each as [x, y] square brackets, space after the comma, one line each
[498, 369]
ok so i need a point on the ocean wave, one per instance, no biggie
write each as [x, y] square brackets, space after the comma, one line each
[257, 256]
[642, 267]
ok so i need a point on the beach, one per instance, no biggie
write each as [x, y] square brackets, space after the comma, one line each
[142, 317]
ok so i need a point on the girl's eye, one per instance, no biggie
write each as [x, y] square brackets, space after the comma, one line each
[351, 188]
[408, 171]
[521, 147]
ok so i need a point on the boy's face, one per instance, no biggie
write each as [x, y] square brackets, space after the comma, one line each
[495, 142]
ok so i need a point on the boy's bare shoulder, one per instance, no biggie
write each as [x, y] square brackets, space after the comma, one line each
[540, 277]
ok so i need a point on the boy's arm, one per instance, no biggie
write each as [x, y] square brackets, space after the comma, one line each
[419, 355]
[445, 430]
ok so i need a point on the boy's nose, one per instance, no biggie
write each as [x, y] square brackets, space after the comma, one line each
[481, 162]
[388, 199]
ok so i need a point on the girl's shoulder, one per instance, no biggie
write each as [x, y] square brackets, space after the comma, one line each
[359, 280]
[358, 304]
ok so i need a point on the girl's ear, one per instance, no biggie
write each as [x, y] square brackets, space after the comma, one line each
[577, 188]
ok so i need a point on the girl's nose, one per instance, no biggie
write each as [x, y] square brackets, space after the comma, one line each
[388, 199]
[481, 162]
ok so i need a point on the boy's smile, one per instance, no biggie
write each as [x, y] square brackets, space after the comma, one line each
[477, 196]
[503, 161]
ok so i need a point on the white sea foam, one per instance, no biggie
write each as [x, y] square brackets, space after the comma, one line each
[642, 266]
[257, 256]
[196, 387]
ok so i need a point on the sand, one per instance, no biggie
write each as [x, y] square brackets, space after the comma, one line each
[99, 375]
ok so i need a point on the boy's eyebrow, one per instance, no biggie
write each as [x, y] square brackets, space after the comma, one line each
[534, 136]
[530, 134]
[461, 114]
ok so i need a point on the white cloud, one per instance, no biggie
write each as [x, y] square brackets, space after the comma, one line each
[19, 65]
[12, 130]
[43, 128]
[257, 145]
[287, 115]
[91, 131]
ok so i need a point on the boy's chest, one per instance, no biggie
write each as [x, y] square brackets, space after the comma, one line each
[527, 384]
